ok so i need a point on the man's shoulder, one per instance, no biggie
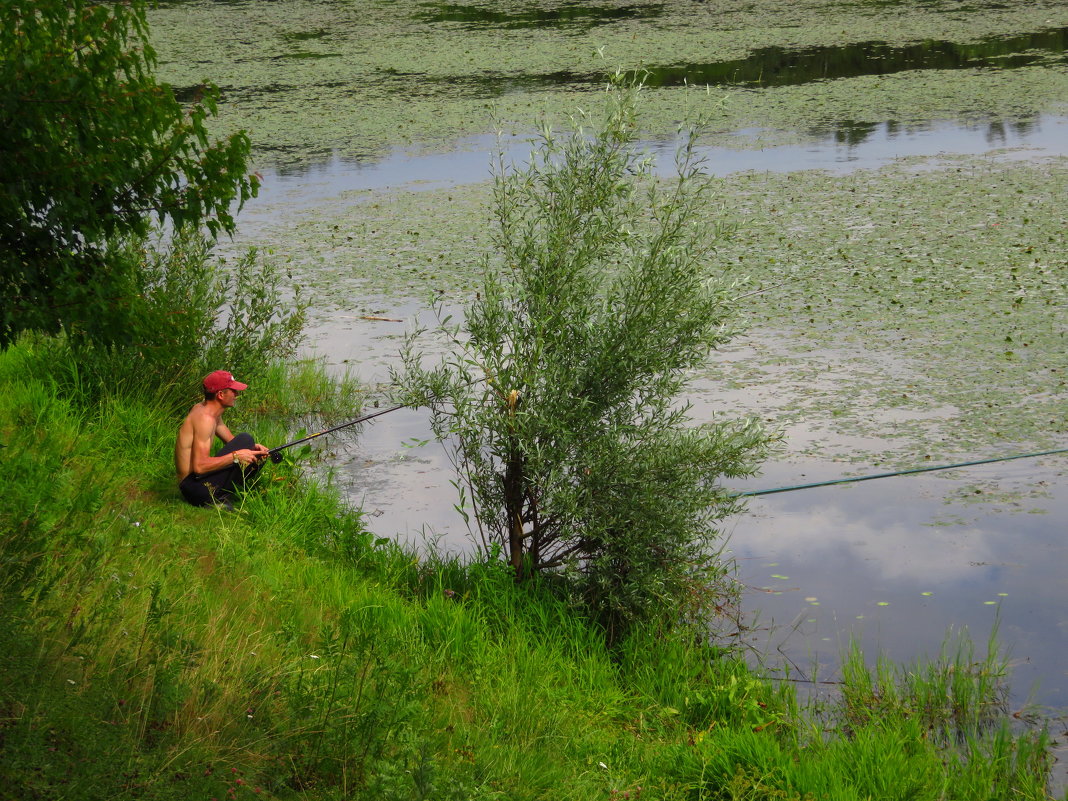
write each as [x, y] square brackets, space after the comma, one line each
[197, 409]
[201, 415]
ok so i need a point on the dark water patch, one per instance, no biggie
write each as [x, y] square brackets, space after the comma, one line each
[227, 3]
[304, 54]
[572, 14]
[189, 94]
[304, 36]
[950, 6]
[246, 93]
[492, 85]
[778, 66]
[765, 67]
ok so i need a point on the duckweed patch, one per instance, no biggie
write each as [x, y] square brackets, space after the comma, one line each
[320, 78]
[934, 269]
[898, 316]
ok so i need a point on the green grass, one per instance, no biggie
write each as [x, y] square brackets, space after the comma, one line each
[152, 650]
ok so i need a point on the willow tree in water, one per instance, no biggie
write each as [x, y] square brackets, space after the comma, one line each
[563, 400]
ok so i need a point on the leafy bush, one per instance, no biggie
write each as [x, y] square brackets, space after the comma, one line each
[93, 149]
[564, 388]
[98, 155]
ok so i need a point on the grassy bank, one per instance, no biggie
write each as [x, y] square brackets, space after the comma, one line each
[152, 650]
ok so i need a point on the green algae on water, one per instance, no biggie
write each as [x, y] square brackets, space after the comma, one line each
[309, 79]
[889, 296]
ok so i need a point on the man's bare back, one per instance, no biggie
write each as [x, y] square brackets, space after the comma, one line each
[198, 428]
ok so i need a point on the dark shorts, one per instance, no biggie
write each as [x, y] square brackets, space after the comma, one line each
[205, 489]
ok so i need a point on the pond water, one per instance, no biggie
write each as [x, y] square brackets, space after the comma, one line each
[841, 148]
[896, 563]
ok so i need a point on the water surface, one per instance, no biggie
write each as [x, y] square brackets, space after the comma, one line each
[840, 148]
[895, 563]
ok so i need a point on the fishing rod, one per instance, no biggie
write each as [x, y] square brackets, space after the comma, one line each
[276, 453]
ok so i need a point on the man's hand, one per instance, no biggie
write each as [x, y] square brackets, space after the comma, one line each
[249, 455]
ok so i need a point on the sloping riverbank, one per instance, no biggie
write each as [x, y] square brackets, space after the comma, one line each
[157, 651]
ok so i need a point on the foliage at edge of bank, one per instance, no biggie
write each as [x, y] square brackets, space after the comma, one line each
[94, 148]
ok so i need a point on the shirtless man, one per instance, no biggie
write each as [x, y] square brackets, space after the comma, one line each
[204, 479]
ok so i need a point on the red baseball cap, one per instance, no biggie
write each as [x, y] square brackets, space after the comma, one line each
[221, 379]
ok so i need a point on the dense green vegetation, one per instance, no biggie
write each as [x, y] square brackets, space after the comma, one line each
[113, 195]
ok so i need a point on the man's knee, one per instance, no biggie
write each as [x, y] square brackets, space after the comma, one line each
[244, 440]
[240, 442]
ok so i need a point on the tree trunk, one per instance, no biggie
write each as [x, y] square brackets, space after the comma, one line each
[513, 504]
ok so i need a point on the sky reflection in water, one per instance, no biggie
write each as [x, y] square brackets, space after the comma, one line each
[897, 562]
[843, 149]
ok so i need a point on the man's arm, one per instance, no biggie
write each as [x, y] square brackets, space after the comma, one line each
[204, 428]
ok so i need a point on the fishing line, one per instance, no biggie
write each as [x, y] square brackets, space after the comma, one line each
[854, 479]
[751, 493]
